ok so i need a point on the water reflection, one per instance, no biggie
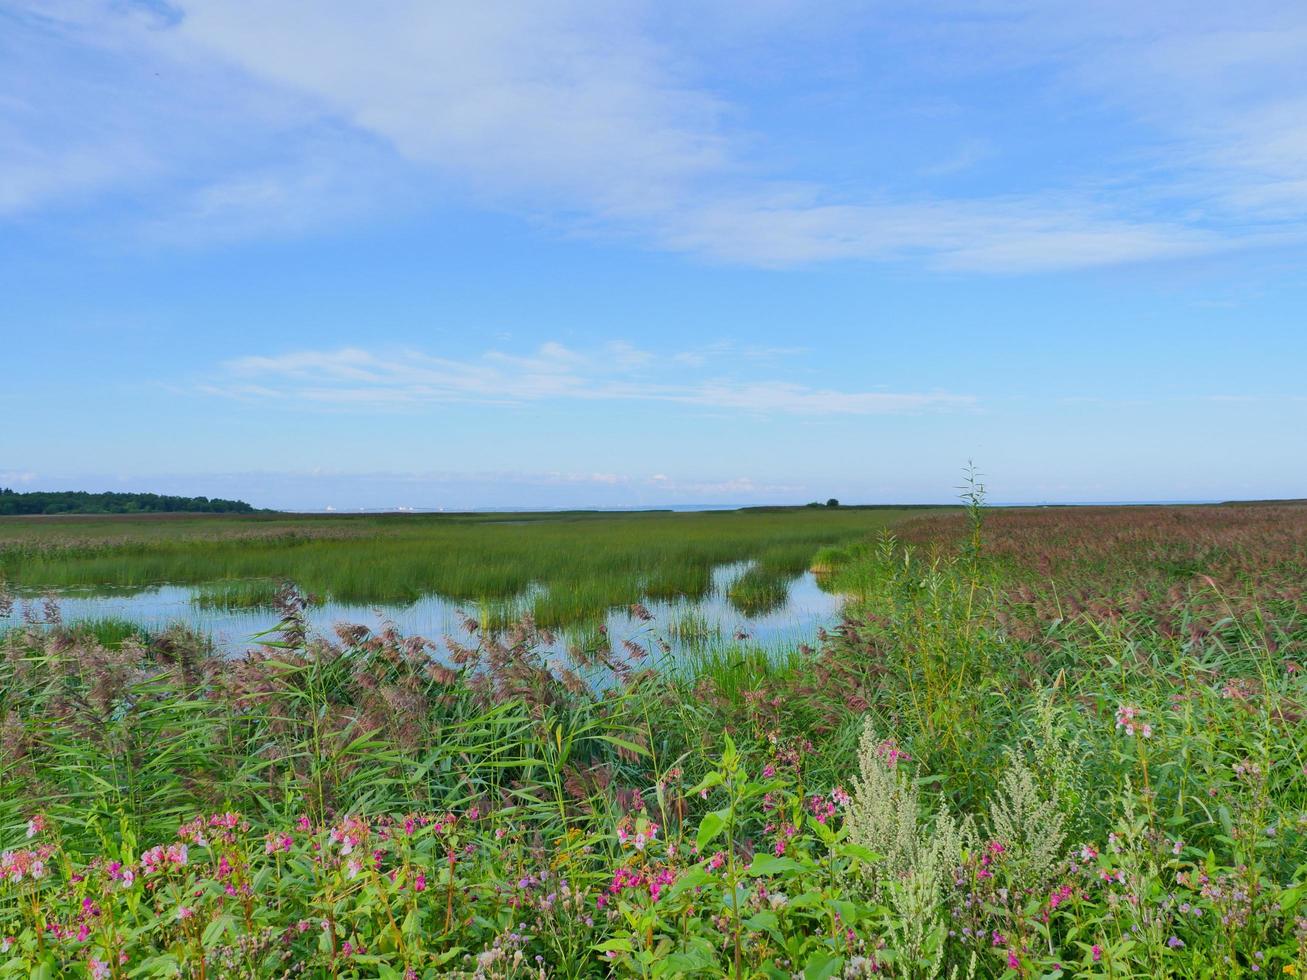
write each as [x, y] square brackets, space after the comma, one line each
[770, 611]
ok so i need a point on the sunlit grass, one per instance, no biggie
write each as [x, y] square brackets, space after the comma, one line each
[564, 568]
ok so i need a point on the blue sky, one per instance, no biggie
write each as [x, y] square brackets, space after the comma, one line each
[408, 253]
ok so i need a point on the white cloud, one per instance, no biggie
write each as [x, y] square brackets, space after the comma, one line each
[995, 236]
[561, 98]
[288, 115]
[356, 378]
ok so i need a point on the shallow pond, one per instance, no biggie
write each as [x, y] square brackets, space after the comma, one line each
[688, 626]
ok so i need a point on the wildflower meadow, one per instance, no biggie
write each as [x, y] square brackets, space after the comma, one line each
[1039, 744]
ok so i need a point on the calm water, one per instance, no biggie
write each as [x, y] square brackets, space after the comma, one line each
[806, 608]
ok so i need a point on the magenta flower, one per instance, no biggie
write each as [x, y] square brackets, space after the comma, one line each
[1128, 720]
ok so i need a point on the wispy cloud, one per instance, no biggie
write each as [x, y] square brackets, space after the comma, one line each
[355, 378]
[1009, 235]
[287, 115]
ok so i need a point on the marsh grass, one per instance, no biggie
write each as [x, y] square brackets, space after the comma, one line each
[251, 594]
[692, 628]
[564, 568]
[758, 591]
[109, 632]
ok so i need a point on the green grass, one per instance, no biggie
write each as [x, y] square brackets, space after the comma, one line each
[108, 632]
[571, 566]
[693, 628]
[759, 591]
[251, 594]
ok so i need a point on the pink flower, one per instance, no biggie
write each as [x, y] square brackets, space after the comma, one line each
[1013, 961]
[35, 826]
[661, 880]
[1127, 719]
[420, 882]
[1059, 896]
[279, 842]
[821, 808]
[99, 969]
[891, 754]
[1097, 952]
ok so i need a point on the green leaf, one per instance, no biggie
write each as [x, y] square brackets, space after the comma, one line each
[770, 864]
[850, 912]
[442, 958]
[410, 924]
[710, 827]
[622, 743]
[708, 782]
[691, 879]
[1290, 897]
[1227, 823]
[864, 854]
[614, 946]
[807, 899]
[157, 966]
[822, 966]
[216, 929]
[681, 964]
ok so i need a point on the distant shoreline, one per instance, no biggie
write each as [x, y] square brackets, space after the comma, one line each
[635, 509]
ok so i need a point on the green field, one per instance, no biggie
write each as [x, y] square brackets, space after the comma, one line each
[575, 565]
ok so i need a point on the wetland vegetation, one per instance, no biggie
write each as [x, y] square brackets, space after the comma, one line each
[1038, 743]
[565, 569]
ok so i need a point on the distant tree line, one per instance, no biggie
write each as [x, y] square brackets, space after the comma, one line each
[81, 502]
